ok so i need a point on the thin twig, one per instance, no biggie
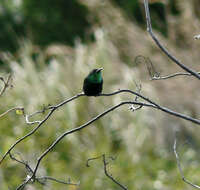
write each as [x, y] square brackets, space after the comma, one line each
[180, 168]
[12, 109]
[150, 67]
[6, 83]
[27, 166]
[138, 89]
[155, 75]
[27, 117]
[174, 59]
[171, 76]
[91, 159]
[39, 125]
[58, 181]
[105, 163]
[53, 108]
[155, 105]
[40, 158]
[110, 176]
[42, 180]
[74, 130]
[152, 104]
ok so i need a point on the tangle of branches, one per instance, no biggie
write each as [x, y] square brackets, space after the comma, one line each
[136, 101]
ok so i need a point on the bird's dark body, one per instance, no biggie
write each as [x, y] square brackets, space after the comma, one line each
[92, 88]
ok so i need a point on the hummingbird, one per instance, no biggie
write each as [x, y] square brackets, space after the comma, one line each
[93, 83]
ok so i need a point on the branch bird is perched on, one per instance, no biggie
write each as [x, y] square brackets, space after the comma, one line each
[93, 83]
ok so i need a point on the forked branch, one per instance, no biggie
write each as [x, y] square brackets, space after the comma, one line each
[146, 102]
[173, 58]
[6, 83]
[43, 179]
[105, 164]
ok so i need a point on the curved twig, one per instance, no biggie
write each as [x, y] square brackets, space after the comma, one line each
[174, 59]
[149, 103]
[91, 159]
[152, 104]
[180, 168]
[171, 76]
[58, 181]
[42, 180]
[40, 124]
[87, 124]
[12, 109]
[155, 105]
[105, 163]
[70, 132]
[6, 83]
[110, 176]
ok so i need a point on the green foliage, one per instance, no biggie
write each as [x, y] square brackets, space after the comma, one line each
[135, 11]
[50, 21]
[158, 15]
[11, 24]
[174, 8]
[44, 22]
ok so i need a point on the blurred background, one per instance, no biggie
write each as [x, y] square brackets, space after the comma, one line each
[50, 46]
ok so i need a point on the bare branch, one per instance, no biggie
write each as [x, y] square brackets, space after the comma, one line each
[91, 159]
[155, 105]
[140, 59]
[6, 83]
[27, 117]
[68, 182]
[179, 166]
[39, 159]
[110, 176]
[12, 109]
[42, 180]
[174, 59]
[138, 89]
[40, 124]
[72, 131]
[105, 163]
[155, 75]
[171, 76]
[150, 104]
[27, 166]
[88, 123]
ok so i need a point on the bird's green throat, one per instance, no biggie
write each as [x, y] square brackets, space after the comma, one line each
[95, 77]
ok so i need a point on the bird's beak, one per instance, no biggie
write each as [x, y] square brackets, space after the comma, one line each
[100, 69]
